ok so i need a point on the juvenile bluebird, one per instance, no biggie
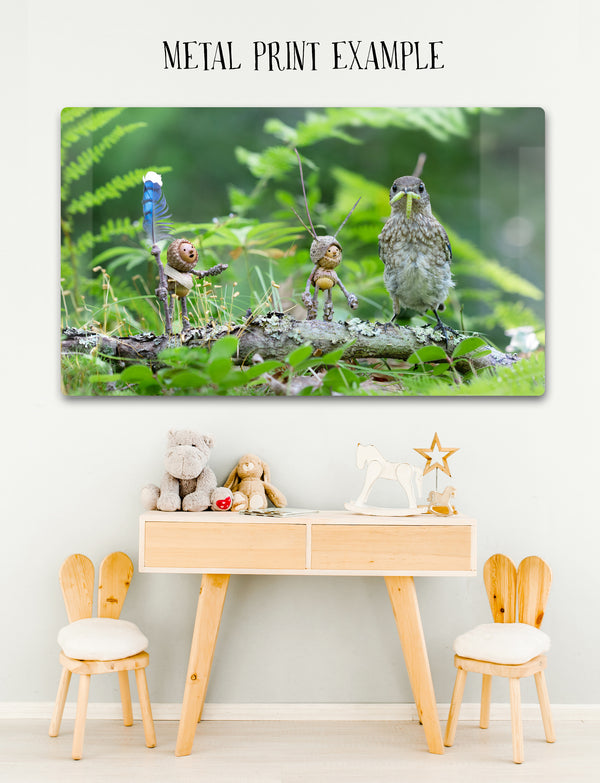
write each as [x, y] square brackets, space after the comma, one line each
[415, 250]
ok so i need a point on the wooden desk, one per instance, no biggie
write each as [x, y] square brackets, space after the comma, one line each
[320, 543]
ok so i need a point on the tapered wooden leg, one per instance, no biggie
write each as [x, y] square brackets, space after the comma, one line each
[408, 620]
[82, 701]
[457, 696]
[486, 695]
[515, 715]
[542, 691]
[146, 708]
[59, 706]
[125, 698]
[206, 628]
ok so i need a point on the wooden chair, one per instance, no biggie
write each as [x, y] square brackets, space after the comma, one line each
[100, 644]
[507, 648]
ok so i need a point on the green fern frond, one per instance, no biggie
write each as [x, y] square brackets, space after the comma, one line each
[108, 230]
[441, 123]
[471, 261]
[525, 378]
[91, 156]
[112, 189]
[72, 113]
[509, 315]
[273, 163]
[88, 124]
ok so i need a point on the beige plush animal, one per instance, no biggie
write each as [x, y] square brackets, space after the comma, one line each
[250, 482]
[188, 483]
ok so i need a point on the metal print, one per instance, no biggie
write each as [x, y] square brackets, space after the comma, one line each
[369, 252]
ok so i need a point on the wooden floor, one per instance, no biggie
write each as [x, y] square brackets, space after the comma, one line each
[297, 752]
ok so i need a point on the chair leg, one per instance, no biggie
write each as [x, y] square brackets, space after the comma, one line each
[542, 691]
[144, 696]
[515, 714]
[59, 706]
[82, 701]
[486, 693]
[457, 695]
[125, 698]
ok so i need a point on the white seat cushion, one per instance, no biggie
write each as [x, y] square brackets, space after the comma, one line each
[502, 643]
[101, 639]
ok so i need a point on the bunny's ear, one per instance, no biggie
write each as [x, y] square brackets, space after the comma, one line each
[232, 480]
[266, 471]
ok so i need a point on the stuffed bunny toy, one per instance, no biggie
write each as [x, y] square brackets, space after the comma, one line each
[250, 482]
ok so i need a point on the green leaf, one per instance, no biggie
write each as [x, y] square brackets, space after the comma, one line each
[231, 380]
[224, 346]
[219, 367]
[429, 353]
[333, 357]
[188, 379]
[340, 379]
[467, 345]
[137, 373]
[480, 354]
[299, 355]
[256, 370]
[173, 356]
[440, 369]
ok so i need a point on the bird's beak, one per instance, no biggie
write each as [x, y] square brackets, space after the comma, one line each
[409, 197]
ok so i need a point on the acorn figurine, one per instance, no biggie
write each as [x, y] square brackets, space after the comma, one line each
[326, 255]
[182, 257]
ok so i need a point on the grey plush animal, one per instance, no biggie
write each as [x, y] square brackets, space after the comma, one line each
[416, 252]
[188, 484]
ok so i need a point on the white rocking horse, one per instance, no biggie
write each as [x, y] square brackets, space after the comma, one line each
[403, 473]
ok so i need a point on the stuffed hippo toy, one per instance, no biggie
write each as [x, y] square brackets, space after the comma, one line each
[250, 482]
[188, 483]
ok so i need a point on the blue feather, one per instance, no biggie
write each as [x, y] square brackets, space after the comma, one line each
[155, 209]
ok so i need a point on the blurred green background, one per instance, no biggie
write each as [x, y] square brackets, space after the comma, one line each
[230, 177]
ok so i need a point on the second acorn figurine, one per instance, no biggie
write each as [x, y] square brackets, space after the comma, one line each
[182, 257]
[250, 482]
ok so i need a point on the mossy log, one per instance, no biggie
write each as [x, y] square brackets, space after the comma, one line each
[276, 335]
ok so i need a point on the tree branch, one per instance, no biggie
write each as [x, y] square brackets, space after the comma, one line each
[276, 335]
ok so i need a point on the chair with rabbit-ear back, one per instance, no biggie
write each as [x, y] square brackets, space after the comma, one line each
[507, 648]
[96, 645]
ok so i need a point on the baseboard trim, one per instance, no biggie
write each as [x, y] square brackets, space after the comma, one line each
[313, 712]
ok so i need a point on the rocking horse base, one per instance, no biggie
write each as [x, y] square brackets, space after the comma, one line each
[379, 511]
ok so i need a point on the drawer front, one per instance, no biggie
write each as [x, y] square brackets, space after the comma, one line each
[224, 545]
[391, 548]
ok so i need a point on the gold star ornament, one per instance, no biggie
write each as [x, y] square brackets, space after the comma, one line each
[436, 456]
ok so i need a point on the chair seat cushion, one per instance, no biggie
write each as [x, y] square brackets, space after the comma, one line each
[510, 643]
[101, 639]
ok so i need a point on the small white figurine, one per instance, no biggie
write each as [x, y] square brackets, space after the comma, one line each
[440, 502]
[378, 467]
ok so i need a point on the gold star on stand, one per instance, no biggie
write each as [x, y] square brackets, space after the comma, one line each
[436, 456]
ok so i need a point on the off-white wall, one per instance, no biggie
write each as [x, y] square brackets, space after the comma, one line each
[526, 468]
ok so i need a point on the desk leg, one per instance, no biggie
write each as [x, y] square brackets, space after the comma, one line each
[408, 619]
[206, 628]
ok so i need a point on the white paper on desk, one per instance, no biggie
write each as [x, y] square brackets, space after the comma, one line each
[280, 512]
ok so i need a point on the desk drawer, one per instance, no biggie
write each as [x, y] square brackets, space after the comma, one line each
[223, 545]
[391, 547]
